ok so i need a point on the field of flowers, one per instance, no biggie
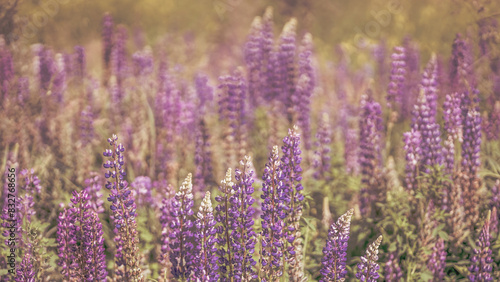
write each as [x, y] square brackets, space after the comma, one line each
[269, 163]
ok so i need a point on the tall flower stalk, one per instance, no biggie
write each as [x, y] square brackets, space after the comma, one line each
[369, 155]
[290, 165]
[123, 211]
[273, 215]
[482, 260]
[335, 252]
[368, 267]
[242, 218]
[224, 229]
[206, 268]
[181, 237]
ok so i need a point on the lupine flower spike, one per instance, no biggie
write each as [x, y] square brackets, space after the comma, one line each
[273, 209]
[206, 268]
[224, 229]
[242, 213]
[368, 267]
[181, 237]
[335, 252]
[290, 163]
[481, 267]
[123, 211]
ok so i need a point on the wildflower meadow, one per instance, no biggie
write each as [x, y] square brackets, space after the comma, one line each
[219, 148]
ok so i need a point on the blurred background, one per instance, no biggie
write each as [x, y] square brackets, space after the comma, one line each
[224, 24]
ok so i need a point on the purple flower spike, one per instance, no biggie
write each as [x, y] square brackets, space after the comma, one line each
[322, 153]
[26, 272]
[87, 126]
[368, 267]
[45, 66]
[143, 62]
[471, 150]
[206, 267]
[424, 120]
[80, 62]
[351, 154]
[6, 69]
[23, 90]
[274, 212]
[119, 56]
[254, 62]
[204, 91]
[123, 210]
[232, 110]
[181, 237]
[225, 240]
[142, 186]
[481, 260]
[437, 261]
[107, 38]
[452, 115]
[370, 126]
[202, 158]
[166, 218]
[413, 150]
[290, 166]
[462, 77]
[397, 82]
[335, 252]
[66, 234]
[286, 63]
[392, 269]
[80, 240]
[241, 214]
[59, 81]
[305, 89]
[491, 124]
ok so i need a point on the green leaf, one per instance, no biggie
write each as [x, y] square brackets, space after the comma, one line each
[309, 224]
[426, 275]
[443, 235]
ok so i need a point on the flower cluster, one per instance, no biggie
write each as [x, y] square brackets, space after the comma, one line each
[290, 166]
[241, 214]
[396, 88]
[369, 159]
[123, 210]
[323, 142]
[437, 261]
[368, 267]
[80, 241]
[142, 186]
[273, 215]
[335, 252]
[206, 268]
[180, 233]
[424, 120]
[224, 229]
[481, 267]
[412, 141]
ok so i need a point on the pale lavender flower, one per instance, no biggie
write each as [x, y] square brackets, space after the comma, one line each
[369, 159]
[143, 186]
[437, 261]
[241, 213]
[335, 252]
[414, 156]
[368, 267]
[180, 233]
[481, 259]
[205, 266]
[322, 153]
[273, 215]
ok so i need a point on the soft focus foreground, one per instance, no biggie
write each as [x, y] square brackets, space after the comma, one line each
[270, 149]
